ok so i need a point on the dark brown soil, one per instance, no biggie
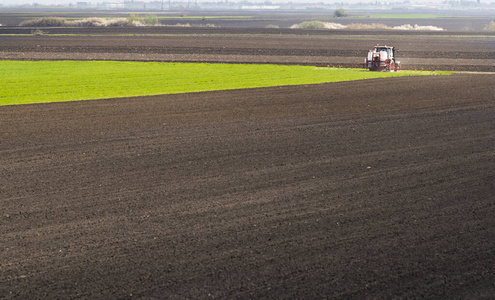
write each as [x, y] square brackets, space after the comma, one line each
[454, 20]
[416, 50]
[373, 189]
[370, 189]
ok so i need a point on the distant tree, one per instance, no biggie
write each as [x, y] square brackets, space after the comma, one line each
[150, 20]
[131, 18]
[490, 26]
[340, 13]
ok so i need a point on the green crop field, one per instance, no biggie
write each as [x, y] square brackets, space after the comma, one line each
[23, 82]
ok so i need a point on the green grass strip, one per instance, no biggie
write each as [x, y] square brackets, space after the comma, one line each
[23, 82]
[407, 16]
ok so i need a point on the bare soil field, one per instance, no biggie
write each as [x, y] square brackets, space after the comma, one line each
[371, 189]
[417, 50]
[454, 20]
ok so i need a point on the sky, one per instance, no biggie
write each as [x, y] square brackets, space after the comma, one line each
[67, 2]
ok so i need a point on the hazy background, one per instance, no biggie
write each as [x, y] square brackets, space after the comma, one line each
[67, 2]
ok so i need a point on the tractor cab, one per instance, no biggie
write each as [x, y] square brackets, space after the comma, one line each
[382, 58]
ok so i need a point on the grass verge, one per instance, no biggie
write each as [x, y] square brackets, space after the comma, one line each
[23, 82]
[407, 16]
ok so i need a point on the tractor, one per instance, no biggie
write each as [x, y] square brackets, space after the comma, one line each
[382, 58]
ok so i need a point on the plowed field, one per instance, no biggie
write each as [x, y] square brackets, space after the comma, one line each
[368, 189]
[417, 50]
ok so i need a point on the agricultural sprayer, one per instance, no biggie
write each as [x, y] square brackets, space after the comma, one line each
[382, 58]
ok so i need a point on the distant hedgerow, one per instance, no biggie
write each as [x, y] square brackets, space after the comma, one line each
[131, 21]
[101, 22]
[358, 26]
[45, 22]
[148, 20]
[310, 25]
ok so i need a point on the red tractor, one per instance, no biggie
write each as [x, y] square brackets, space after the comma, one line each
[382, 58]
